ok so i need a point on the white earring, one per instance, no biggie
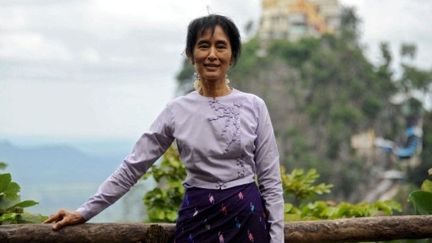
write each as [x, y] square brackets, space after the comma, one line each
[227, 81]
[197, 82]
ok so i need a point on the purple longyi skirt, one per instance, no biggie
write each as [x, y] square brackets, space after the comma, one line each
[220, 216]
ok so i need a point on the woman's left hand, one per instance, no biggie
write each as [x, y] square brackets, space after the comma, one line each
[63, 218]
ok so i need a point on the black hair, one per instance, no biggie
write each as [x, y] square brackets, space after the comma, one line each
[198, 26]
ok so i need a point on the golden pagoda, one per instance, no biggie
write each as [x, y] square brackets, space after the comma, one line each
[293, 19]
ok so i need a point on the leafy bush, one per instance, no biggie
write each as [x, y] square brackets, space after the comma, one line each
[302, 185]
[327, 210]
[422, 199]
[163, 202]
[11, 206]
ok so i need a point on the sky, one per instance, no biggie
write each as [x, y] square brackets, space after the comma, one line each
[104, 69]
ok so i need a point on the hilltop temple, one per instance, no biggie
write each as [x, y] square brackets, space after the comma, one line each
[293, 19]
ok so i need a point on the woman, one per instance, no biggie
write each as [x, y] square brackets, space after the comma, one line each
[226, 141]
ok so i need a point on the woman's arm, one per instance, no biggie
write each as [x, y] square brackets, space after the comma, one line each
[268, 173]
[150, 146]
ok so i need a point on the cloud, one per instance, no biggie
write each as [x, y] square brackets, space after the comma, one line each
[27, 3]
[90, 55]
[32, 46]
[395, 22]
[93, 40]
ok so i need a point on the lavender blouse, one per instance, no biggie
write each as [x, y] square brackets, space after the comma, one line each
[224, 142]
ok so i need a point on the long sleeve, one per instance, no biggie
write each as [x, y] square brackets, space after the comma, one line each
[268, 172]
[150, 146]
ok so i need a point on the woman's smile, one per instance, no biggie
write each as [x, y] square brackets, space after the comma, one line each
[211, 67]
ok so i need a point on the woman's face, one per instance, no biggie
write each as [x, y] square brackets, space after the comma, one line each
[212, 55]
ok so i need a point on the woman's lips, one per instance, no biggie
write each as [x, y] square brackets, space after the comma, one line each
[211, 66]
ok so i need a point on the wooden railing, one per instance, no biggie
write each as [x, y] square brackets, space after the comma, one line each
[341, 230]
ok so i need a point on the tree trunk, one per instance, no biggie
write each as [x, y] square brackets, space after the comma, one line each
[341, 230]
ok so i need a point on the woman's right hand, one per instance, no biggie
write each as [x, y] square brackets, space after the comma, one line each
[63, 218]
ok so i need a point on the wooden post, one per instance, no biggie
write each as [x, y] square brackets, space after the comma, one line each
[341, 230]
[88, 233]
[360, 229]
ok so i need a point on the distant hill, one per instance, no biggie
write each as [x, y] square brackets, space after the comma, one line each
[61, 176]
[55, 163]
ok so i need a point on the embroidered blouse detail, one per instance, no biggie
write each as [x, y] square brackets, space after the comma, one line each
[230, 114]
[241, 169]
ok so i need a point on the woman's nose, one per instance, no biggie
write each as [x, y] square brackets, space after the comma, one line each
[212, 54]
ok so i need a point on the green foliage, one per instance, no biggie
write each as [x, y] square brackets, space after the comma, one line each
[349, 24]
[427, 186]
[185, 76]
[327, 210]
[163, 202]
[299, 150]
[422, 199]
[295, 53]
[303, 186]
[300, 184]
[415, 78]
[371, 106]
[249, 51]
[3, 165]
[338, 94]
[11, 207]
[345, 114]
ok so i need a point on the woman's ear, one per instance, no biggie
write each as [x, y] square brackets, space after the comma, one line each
[191, 60]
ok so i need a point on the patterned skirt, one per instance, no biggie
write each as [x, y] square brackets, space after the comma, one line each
[235, 214]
